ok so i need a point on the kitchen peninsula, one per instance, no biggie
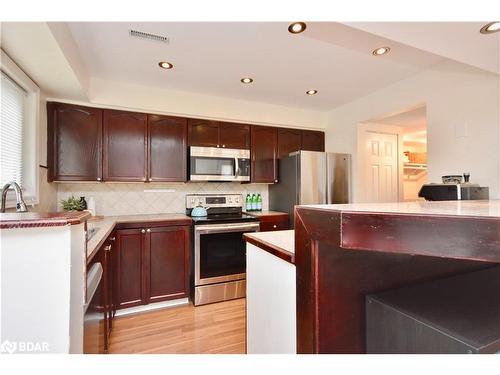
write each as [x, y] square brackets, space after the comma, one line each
[345, 252]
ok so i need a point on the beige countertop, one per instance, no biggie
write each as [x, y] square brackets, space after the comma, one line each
[484, 208]
[280, 243]
[106, 225]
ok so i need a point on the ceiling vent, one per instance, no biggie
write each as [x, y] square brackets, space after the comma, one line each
[143, 35]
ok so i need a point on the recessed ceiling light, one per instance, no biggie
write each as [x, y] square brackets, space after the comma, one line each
[311, 92]
[380, 51]
[297, 27]
[246, 80]
[165, 65]
[490, 28]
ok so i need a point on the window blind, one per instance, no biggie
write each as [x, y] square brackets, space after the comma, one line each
[13, 106]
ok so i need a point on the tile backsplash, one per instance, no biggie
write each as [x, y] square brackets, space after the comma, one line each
[151, 198]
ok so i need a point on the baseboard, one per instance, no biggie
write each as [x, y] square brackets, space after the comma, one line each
[152, 306]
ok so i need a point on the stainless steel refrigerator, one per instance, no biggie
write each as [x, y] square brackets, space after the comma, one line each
[310, 177]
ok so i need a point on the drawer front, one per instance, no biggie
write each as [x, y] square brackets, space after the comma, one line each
[267, 226]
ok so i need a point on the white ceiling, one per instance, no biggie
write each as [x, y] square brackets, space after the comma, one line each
[210, 58]
[34, 48]
[460, 41]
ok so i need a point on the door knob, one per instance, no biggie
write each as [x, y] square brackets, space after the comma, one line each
[98, 178]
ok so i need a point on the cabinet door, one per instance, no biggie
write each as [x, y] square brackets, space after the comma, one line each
[167, 148]
[168, 263]
[234, 135]
[203, 133]
[130, 275]
[125, 146]
[313, 140]
[264, 153]
[74, 143]
[289, 140]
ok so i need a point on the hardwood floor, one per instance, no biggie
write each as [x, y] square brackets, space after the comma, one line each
[216, 328]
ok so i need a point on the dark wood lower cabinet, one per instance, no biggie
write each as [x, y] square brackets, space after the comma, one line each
[274, 222]
[152, 264]
[129, 275]
[168, 263]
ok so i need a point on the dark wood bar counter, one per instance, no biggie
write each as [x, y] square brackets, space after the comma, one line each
[344, 252]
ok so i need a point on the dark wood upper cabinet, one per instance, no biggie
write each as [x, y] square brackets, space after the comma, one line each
[313, 140]
[125, 146]
[168, 263]
[232, 135]
[289, 140]
[264, 152]
[207, 133]
[74, 142]
[130, 275]
[167, 138]
[203, 133]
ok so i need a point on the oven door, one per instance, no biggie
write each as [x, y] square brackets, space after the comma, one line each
[216, 164]
[220, 252]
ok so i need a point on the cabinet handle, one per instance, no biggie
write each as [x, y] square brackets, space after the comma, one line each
[275, 226]
[98, 178]
[218, 146]
[275, 180]
[223, 145]
[107, 248]
[148, 230]
[150, 179]
[113, 238]
[143, 231]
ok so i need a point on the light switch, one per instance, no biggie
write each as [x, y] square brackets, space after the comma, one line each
[462, 129]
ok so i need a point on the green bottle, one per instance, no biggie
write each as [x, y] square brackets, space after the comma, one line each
[259, 202]
[248, 203]
[254, 202]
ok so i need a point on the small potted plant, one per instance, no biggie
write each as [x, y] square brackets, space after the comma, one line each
[72, 204]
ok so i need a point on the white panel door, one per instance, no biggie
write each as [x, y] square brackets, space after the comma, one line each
[381, 167]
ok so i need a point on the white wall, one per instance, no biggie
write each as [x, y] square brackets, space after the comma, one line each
[463, 121]
[145, 98]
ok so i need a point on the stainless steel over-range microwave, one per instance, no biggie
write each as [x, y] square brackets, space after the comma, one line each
[219, 164]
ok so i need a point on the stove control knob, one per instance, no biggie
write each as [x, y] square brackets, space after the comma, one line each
[230, 200]
[236, 200]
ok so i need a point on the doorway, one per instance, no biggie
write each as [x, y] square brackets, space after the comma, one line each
[392, 156]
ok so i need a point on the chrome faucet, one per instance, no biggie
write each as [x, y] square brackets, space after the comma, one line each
[20, 205]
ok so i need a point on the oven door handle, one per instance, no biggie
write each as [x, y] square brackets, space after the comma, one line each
[221, 228]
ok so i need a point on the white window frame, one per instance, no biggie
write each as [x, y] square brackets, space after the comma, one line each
[31, 174]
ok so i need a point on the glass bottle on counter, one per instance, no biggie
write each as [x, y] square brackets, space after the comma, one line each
[248, 203]
[254, 202]
[259, 202]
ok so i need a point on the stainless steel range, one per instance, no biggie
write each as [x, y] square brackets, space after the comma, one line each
[219, 249]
